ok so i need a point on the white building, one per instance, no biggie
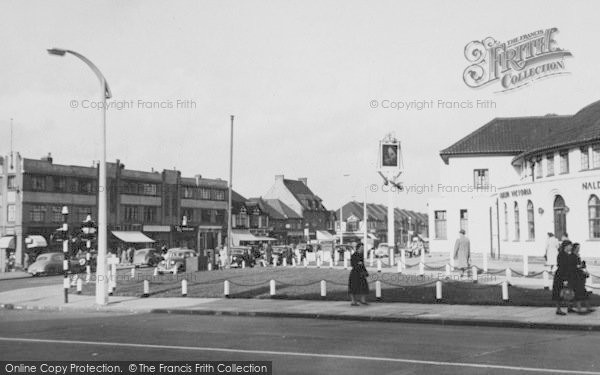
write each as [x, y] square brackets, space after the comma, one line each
[513, 180]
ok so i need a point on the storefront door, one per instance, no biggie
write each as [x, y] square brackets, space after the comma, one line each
[560, 217]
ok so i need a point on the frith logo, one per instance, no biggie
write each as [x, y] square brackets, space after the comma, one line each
[515, 63]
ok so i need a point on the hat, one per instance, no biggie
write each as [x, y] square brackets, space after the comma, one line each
[462, 231]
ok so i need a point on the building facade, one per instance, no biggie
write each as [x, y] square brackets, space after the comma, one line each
[515, 180]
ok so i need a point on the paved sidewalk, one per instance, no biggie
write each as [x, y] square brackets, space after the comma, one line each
[50, 298]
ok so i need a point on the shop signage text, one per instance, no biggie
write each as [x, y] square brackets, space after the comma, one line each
[594, 185]
[515, 193]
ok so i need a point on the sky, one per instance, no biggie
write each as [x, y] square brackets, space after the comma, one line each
[299, 76]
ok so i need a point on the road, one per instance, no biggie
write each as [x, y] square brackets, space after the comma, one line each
[297, 346]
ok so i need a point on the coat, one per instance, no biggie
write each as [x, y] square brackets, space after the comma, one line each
[552, 246]
[462, 252]
[357, 282]
[566, 272]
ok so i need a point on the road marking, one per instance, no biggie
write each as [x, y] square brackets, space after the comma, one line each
[299, 354]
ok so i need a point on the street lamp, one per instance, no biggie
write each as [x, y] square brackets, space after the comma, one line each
[342, 219]
[101, 279]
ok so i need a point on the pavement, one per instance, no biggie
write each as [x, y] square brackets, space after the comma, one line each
[50, 298]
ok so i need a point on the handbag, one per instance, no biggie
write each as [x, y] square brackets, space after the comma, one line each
[566, 293]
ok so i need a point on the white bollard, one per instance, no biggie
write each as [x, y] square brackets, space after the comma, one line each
[346, 256]
[423, 255]
[525, 265]
[447, 270]
[323, 288]
[176, 270]
[318, 263]
[284, 262]
[184, 288]
[504, 291]
[146, 288]
[274, 261]
[546, 280]
[399, 267]
[391, 256]
[305, 262]
[421, 268]
[293, 262]
[372, 258]
[155, 271]
[272, 290]
[88, 273]
[336, 257]
[378, 290]
[508, 275]
[330, 263]
[345, 263]
[474, 272]
[243, 264]
[226, 288]
[209, 267]
[438, 290]
[378, 265]
[79, 285]
[403, 258]
[133, 273]
[485, 262]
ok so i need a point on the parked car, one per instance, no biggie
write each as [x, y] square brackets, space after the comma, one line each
[382, 250]
[280, 251]
[341, 250]
[146, 257]
[241, 253]
[52, 264]
[174, 260]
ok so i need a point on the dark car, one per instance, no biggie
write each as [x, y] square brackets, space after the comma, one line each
[281, 251]
[146, 257]
[174, 260]
[242, 254]
[52, 264]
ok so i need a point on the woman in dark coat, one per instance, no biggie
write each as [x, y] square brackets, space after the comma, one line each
[358, 287]
[581, 274]
[566, 269]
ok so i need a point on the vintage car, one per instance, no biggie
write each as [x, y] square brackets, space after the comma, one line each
[174, 260]
[382, 250]
[146, 257]
[52, 264]
[281, 251]
[241, 253]
[342, 249]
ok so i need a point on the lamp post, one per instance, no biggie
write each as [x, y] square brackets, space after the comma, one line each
[66, 257]
[101, 279]
[229, 216]
[342, 219]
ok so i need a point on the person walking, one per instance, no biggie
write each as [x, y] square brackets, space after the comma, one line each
[581, 274]
[358, 287]
[462, 252]
[565, 275]
[552, 246]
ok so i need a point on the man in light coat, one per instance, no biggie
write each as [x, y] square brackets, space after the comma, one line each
[552, 245]
[462, 252]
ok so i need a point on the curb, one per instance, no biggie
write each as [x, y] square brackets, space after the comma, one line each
[384, 319]
[10, 306]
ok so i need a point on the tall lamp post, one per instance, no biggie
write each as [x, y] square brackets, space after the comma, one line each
[101, 279]
[342, 219]
[229, 216]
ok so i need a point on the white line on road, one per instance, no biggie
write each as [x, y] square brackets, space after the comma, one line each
[299, 354]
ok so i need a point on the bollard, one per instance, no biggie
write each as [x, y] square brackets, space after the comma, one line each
[504, 291]
[447, 270]
[392, 257]
[336, 257]
[378, 265]
[88, 273]
[184, 288]
[421, 268]
[508, 275]
[305, 263]
[399, 267]
[155, 271]
[293, 262]
[403, 258]
[546, 281]
[226, 288]
[243, 264]
[323, 288]
[146, 288]
[284, 262]
[274, 261]
[485, 262]
[345, 263]
[318, 263]
[474, 272]
[176, 270]
[525, 265]
[346, 255]
[330, 263]
[133, 273]
[378, 290]
[272, 288]
[209, 267]
[79, 285]
[423, 256]
[438, 290]
[372, 258]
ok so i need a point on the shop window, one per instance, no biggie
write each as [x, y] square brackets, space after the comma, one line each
[517, 223]
[38, 183]
[464, 220]
[149, 214]
[530, 221]
[596, 156]
[481, 178]
[440, 225]
[57, 216]
[37, 214]
[550, 165]
[594, 216]
[12, 182]
[204, 193]
[564, 162]
[585, 158]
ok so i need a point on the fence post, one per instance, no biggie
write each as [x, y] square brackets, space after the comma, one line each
[438, 290]
[421, 268]
[79, 285]
[508, 275]
[525, 265]
[345, 263]
[485, 262]
[243, 264]
[447, 271]
[284, 262]
[378, 265]
[330, 263]
[184, 288]
[209, 267]
[546, 281]
[272, 288]
[505, 291]
[133, 272]
[88, 273]
[378, 290]
[146, 288]
[391, 256]
[323, 288]
[226, 288]
[305, 263]
[474, 271]
[399, 267]
[155, 273]
[293, 262]
[403, 258]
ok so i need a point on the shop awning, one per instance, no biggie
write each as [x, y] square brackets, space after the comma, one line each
[259, 238]
[7, 242]
[35, 240]
[238, 235]
[324, 235]
[132, 237]
[372, 236]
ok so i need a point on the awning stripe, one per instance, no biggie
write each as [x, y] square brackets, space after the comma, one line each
[132, 237]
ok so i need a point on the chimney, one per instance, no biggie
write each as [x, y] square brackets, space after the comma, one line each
[198, 178]
[304, 180]
[48, 158]
[279, 177]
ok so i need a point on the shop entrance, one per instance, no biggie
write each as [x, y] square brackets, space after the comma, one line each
[560, 217]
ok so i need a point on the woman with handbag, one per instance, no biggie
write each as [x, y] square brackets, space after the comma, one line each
[358, 287]
[564, 276]
[581, 293]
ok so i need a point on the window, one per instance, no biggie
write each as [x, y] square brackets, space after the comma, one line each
[131, 213]
[505, 222]
[550, 165]
[11, 213]
[12, 182]
[188, 192]
[204, 193]
[86, 186]
[596, 156]
[440, 225]
[37, 214]
[149, 189]
[564, 162]
[219, 195]
[188, 213]
[594, 216]
[149, 214]
[57, 216]
[530, 221]
[38, 183]
[517, 222]
[60, 184]
[539, 173]
[585, 158]
[464, 220]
